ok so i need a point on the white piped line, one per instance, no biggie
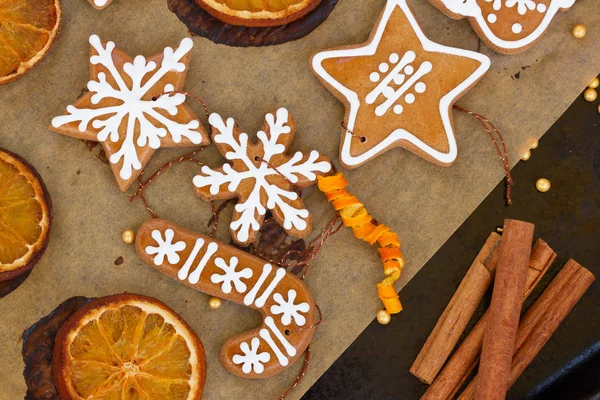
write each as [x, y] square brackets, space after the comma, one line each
[249, 298]
[185, 270]
[291, 350]
[280, 356]
[263, 298]
[210, 251]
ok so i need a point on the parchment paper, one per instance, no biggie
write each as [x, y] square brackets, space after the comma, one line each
[423, 202]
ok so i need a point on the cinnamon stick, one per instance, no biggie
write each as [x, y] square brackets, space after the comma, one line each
[466, 357]
[458, 313]
[505, 310]
[543, 318]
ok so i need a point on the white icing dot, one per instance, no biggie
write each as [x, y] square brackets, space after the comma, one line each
[383, 67]
[374, 77]
[420, 87]
[399, 79]
[398, 109]
[517, 28]
[388, 91]
[409, 70]
[394, 58]
[409, 98]
[541, 7]
[492, 18]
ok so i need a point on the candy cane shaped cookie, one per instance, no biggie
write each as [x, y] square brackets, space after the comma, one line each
[217, 269]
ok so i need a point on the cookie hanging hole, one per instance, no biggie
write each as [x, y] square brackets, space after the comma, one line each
[256, 158]
[363, 139]
[287, 332]
[154, 98]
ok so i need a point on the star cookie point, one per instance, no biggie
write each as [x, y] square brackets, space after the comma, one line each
[398, 88]
[129, 109]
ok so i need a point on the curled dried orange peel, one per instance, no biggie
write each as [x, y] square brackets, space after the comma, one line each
[355, 216]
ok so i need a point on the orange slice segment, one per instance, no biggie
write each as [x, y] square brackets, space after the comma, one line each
[258, 12]
[27, 30]
[128, 347]
[24, 216]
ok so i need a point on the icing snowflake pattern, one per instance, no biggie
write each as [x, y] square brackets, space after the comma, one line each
[259, 172]
[231, 277]
[289, 310]
[251, 359]
[166, 247]
[133, 108]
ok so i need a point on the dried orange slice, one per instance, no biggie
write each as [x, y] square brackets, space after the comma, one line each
[258, 12]
[128, 347]
[27, 30]
[25, 215]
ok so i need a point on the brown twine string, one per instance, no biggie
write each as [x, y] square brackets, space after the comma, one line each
[361, 138]
[300, 376]
[142, 185]
[502, 153]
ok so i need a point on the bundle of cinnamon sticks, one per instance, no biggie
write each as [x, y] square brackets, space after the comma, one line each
[502, 343]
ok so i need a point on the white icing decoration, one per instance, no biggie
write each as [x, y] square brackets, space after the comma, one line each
[109, 120]
[398, 134]
[283, 360]
[394, 57]
[231, 277]
[165, 248]
[522, 5]
[100, 3]
[392, 95]
[516, 28]
[290, 350]
[398, 109]
[470, 8]
[185, 270]
[251, 295]
[492, 18]
[251, 359]
[249, 208]
[279, 274]
[210, 251]
[541, 7]
[288, 309]
[384, 67]
[374, 77]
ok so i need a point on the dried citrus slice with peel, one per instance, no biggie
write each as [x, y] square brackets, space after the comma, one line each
[128, 347]
[27, 30]
[25, 216]
[258, 13]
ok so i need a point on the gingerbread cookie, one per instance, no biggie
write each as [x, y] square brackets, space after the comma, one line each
[507, 26]
[398, 88]
[100, 4]
[262, 176]
[127, 111]
[223, 271]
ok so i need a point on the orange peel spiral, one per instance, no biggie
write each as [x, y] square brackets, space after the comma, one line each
[354, 215]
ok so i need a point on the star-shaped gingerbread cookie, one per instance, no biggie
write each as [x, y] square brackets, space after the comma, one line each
[398, 88]
[262, 176]
[100, 4]
[126, 110]
[507, 26]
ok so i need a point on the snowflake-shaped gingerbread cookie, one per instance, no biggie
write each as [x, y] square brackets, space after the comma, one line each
[261, 176]
[127, 111]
